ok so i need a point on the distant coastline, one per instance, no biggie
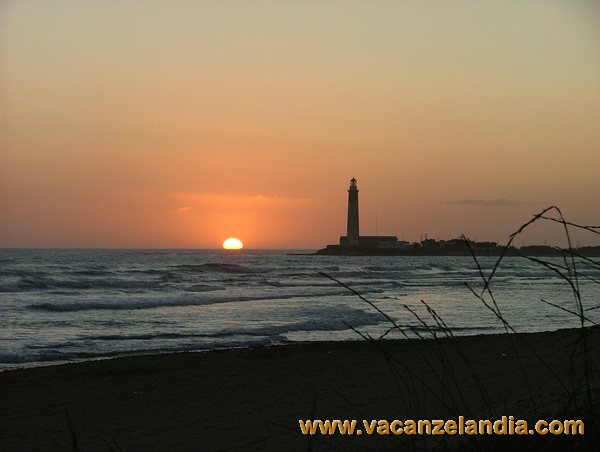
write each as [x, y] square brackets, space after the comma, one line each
[355, 244]
[457, 247]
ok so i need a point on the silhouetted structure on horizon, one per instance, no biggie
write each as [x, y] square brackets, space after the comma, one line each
[353, 241]
[352, 231]
[388, 245]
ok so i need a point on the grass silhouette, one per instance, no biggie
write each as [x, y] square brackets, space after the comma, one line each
[580, 388]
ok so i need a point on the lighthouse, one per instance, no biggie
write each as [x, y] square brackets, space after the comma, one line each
[352, 233]
[354, 244]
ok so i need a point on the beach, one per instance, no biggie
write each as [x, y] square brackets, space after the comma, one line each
[253, 398]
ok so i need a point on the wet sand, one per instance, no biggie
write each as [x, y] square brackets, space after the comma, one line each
[252, 399]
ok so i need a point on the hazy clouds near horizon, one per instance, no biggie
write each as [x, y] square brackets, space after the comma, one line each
[177, 124]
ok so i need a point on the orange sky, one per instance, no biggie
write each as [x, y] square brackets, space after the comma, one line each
[178, 124]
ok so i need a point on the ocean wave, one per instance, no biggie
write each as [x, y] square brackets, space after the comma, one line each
[90, 272]
[201, 288]
[132, 304]
[170, 335]
[297, 283]
[350, 274]
[19, 272]
[78, 349]
[150, 271]
[70, 351]
[220, 268]
[331, 268]
[36, 283]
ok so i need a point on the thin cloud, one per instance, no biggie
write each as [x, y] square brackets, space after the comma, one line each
[490, 202]
[192, 200]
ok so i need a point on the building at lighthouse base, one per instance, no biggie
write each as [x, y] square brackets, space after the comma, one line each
[367, 245]
[373, 241]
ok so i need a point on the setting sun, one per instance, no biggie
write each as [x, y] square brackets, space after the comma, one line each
[233, 244]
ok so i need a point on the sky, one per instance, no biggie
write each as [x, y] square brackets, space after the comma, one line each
[143, 124]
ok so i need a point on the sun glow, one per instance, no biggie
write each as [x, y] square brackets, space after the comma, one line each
[233, 244]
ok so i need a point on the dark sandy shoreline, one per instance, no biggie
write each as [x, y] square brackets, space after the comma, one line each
[252, 399]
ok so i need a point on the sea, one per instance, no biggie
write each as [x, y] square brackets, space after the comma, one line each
[61, 306]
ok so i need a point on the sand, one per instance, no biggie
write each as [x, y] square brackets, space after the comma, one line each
[252, 399]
